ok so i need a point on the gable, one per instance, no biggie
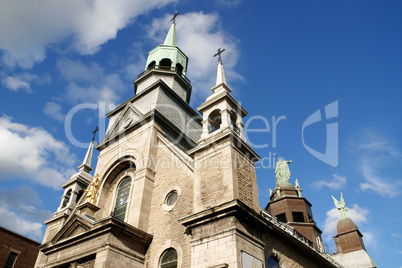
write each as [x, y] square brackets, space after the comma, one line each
[77, 225]
[126, 119]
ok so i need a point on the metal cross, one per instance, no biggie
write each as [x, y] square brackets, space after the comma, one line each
[174, 17]
[219, 54]
[94, 132]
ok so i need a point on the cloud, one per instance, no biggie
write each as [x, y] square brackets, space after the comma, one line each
[23, 81]
[16, 84]
[356, 213]
[26, 33]
[199, 36]
[396, 235]
[337, 182]
[89, 83]
[377, 160]
[26, 202]
[13, 221]
[32, 152]
[53, 110]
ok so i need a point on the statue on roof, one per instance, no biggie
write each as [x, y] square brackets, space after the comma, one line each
[340, 205]
[282, 172]
[92, 192]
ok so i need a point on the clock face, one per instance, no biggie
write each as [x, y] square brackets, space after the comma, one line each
[127, 122]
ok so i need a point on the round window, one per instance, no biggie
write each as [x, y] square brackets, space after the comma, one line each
[171, 198]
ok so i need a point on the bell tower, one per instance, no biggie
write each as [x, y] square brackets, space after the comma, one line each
[287, 205]
[224, 162]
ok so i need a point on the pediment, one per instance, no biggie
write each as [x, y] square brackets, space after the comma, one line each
[76, 226]
[126, 119]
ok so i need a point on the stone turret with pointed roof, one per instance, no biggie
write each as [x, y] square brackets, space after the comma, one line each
[222, 139]
[75, 186]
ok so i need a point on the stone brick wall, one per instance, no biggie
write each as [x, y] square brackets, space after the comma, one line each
[247, 180]
[171, 173]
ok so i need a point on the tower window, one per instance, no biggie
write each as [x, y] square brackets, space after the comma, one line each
[215, 120]
[12, 258]
[151, 65]
[179, 69]
[298, 217]
[165, 63]
[282, 217]
[66, 199]
[233, 120]
[123, 191]
[169, 259]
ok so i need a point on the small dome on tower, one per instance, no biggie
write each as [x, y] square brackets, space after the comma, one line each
[345, 226]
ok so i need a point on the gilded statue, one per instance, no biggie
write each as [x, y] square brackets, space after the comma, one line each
[92, 191]
[340, 205]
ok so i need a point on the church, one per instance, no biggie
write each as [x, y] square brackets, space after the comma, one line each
[174, 187]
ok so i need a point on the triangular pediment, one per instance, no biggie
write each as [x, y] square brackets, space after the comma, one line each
[74, 227]
[126, 119]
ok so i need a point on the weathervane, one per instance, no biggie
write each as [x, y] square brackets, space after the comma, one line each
[174, 17]
[94, 132]
[219, 54]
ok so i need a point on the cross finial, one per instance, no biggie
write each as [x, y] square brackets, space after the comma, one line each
[174, 17]
[219, 54]
[94, 132]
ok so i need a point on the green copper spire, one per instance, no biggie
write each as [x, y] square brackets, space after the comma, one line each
[168, 56]
[170, 39]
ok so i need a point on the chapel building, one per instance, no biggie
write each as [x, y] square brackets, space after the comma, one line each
[172, 188]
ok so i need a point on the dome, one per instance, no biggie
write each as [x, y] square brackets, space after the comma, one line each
[345, 226]
[287, 186]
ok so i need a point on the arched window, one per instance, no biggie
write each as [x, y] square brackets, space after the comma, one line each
[151, 65]
[66, 199]
[233, 120]
[123, 191]
[165, 63]
[215, 120]
[179, 69]
[169, 259]
[273, 263]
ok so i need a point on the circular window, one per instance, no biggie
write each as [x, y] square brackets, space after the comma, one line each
[171, 198]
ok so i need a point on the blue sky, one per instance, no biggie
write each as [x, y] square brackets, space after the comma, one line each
[283, 60]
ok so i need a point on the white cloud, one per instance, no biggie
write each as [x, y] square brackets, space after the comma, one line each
[13, 221]
[356, 213]
[33, 153]
[28, 28]
[199, 36]
[23, 81]
[53, 110]
[337, 182]
[89, 83]
[396, 235]
[377, 160]
[377, 183]
[16, 84]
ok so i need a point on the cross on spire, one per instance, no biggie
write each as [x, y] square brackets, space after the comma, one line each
[219, 54]
[94, 132]
[174, 17]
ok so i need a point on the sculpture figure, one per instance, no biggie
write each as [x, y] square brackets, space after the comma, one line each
[298, 189]
[92, 192]
[282, 172]
[340, 205]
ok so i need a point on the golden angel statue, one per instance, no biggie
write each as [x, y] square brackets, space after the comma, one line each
[92, 191]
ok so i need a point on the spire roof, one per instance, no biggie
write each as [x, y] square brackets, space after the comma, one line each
[220, 76]
[170, 39]
[86, 164]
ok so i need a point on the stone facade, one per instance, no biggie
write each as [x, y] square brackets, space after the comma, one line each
[190, 196]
